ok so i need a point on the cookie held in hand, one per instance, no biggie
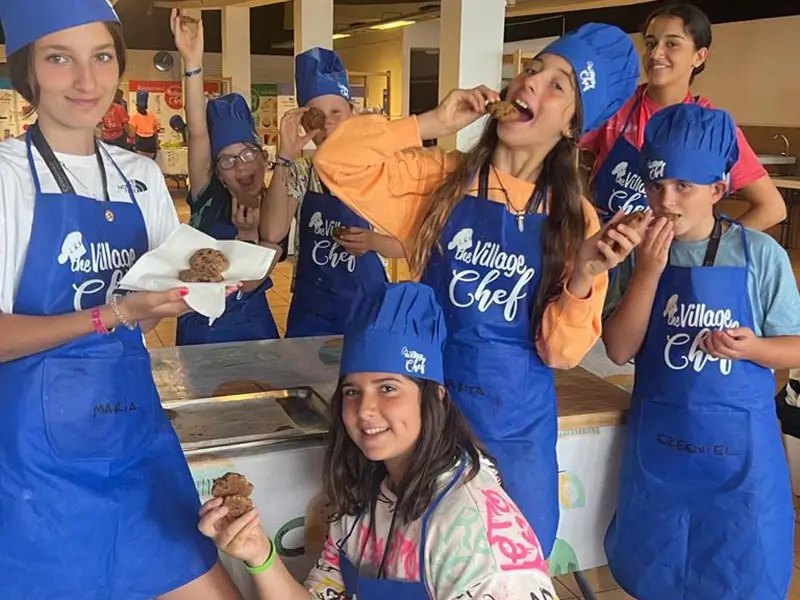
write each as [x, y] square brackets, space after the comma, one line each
[192, 276]
[636, 221]
[503, 111]
[208, 260]
[237, 506]
[231, 484]
[313, 120]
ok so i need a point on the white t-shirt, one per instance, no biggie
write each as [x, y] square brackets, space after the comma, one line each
[17, 197]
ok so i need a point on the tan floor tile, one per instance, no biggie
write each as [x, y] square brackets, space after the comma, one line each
[152, 340]
[564, 593]
[617, 594]
[599, 579]
[166, 331]
[794, 588]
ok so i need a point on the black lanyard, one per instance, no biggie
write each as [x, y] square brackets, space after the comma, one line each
[54, 165]
[531, 206]
[713, 244]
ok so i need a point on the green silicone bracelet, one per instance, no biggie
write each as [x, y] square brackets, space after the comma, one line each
[267, 563]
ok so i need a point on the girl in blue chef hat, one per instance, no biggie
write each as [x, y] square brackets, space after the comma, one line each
[404, 476]
[226, 170]
[96, 498]
[337, 248]
[709, 308]
[505, 237]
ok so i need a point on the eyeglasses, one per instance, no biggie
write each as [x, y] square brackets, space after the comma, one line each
[246, 156]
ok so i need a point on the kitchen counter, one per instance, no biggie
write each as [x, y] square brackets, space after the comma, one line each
[191, 372]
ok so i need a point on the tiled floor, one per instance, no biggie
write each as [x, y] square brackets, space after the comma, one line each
[603, 584]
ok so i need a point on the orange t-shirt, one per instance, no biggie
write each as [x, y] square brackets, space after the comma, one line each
[145, 125]
[381, 171]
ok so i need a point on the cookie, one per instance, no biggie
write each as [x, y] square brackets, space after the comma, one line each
[231, 484]
[313, 120]
[669, 216]
[635, 220]
[192, 276]
[208, 260]
[503, 111]
[237, 506]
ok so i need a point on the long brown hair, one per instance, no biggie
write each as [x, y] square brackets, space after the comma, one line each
[352, 481]
[565, 226]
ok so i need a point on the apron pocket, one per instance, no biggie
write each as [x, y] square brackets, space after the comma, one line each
[689, 451]
[99, 408]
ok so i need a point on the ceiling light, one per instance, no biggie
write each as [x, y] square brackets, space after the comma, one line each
[340, 36]
[392, 25]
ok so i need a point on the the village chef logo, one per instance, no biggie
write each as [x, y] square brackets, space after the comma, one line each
[682, 349]
[588, 77]
[326, 252]
[629, 194]
[415, 361]
[492, 277]
[98, 259]
[656, 169]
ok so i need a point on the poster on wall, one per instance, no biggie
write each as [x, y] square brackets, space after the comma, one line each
[166, 101]
[8, 110]
[264, 104]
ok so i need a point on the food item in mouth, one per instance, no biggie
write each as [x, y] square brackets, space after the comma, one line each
[635, 220]
[503, 111]
[235, 491]
[669, 216]
[313, 120]
[208, 260]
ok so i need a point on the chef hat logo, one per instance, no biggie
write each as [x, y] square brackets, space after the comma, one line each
[72, 249]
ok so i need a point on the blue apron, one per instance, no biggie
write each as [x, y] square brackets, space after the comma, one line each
[368, 588]
[96, 499]
[617, 184]
[247, 316]
[327, 275]
[705, 505]
[486, 282]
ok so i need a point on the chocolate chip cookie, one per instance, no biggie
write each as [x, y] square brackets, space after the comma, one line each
[503, 111]
[313, 120]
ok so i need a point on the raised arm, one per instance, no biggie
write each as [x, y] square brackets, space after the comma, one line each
[189, 42]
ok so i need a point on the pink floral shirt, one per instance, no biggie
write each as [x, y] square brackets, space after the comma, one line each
[478, 546]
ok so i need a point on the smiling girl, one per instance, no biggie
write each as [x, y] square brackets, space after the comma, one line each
[420, 512]
[677, 41]
[504, 236]
[96, 499]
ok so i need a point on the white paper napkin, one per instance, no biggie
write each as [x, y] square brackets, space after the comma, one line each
[157, 270]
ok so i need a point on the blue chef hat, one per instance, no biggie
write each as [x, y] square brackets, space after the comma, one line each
[25, 21]
[606, 67]
[230, 122]
[395, 328]
[690, 143]
[319, 72]
[142, 98]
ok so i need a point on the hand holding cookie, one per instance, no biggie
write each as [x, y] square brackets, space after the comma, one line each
[313, 120]
[612, 244]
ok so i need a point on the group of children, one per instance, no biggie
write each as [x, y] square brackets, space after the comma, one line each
[440, 465]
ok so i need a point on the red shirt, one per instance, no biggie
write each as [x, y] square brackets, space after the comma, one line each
[114, 122]
[600, 141]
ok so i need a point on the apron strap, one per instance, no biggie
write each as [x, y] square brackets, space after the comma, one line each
[55, 168]
[428, 513]
[713, 244]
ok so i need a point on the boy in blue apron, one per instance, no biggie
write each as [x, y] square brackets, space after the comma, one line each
[337, 249]
[247, 313]
[96, 498]
[705, 507]
[406, 478]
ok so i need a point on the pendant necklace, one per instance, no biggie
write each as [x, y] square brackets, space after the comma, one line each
[109, 215]
[519, 214]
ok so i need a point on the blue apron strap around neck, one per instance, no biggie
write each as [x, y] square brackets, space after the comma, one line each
[743, 233]
[713, 244]
[432, 508]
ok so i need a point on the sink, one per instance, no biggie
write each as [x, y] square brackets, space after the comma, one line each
[776, 159]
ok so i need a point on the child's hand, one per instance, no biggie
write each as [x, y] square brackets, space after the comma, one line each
[739, 343]
[243, 538]
[607, 248]
[652, 254]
